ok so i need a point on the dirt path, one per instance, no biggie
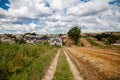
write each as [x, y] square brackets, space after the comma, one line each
[74, 69]
[51, 70]
[85, 42]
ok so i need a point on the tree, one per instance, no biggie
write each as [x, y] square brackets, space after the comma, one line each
[74, 34]
[112, 39]
[98, 37]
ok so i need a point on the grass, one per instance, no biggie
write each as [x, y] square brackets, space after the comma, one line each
[16, 58]
[63, 71]
[37, 69]
[92, 42]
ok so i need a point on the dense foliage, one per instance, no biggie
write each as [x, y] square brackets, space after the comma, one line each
[74, 34]
[109, 38]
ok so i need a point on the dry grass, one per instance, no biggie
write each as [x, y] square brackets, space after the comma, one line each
[85, 42]
[97, 64]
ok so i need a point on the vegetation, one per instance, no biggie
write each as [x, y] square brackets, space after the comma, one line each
[74, 34]
[9, 35]
[20, 41]
[63, 71]
[37, 68]
[99, 37]
[92, 42]
[30, 33]
[108, 38]
[14, 58]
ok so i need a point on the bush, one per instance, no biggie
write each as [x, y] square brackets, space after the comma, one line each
[98, 37]
[112, 39]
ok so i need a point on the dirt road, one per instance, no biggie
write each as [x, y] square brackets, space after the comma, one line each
[49, 74]
[73, 68]
[51, 70]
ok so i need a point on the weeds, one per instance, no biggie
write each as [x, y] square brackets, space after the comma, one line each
[15, 57]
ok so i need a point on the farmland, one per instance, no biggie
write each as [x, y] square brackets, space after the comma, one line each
[96, 63]
[93, 60]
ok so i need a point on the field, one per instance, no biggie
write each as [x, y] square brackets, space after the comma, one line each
[96, 63]
[95, 60]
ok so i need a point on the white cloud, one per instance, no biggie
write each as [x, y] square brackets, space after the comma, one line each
[32, 26]
[58, 16]
[89, 8]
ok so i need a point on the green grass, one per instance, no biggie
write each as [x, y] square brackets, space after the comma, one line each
[63, 71]
[92, 42]
[37, 69]
[16, 58]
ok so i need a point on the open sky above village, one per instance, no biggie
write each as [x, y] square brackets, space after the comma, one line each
[58, 16]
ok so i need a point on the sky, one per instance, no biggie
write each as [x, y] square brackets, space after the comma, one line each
[58, 16]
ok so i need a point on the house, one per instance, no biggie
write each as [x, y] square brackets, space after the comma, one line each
[30, 39]
[6, 39]
[64, 38]
[19, 37]
[55, 41]
[44, 39]
[116, 43]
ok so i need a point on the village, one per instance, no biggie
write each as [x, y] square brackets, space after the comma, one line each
[52, 39]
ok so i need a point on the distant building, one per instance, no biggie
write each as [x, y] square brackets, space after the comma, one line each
[30, 39]
[6, 39]
[55, 41]
[116, 43]
[19, 37]
[44, 39]
[64, 38]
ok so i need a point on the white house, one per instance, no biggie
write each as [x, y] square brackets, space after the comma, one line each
[55, 41]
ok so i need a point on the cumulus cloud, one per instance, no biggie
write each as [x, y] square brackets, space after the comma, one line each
[58, 16]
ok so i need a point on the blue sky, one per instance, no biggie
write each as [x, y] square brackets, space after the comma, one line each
[3, 4]
[58, 16]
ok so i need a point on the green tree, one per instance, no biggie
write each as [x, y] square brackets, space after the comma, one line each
[112, 39]
[98, 37]
[74, 34]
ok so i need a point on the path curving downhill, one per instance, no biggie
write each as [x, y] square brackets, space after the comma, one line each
[52, 68]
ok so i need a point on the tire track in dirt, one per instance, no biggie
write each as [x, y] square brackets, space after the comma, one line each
[73, 68]
[52, 68]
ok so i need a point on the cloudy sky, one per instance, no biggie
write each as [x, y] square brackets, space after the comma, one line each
[58, 16]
